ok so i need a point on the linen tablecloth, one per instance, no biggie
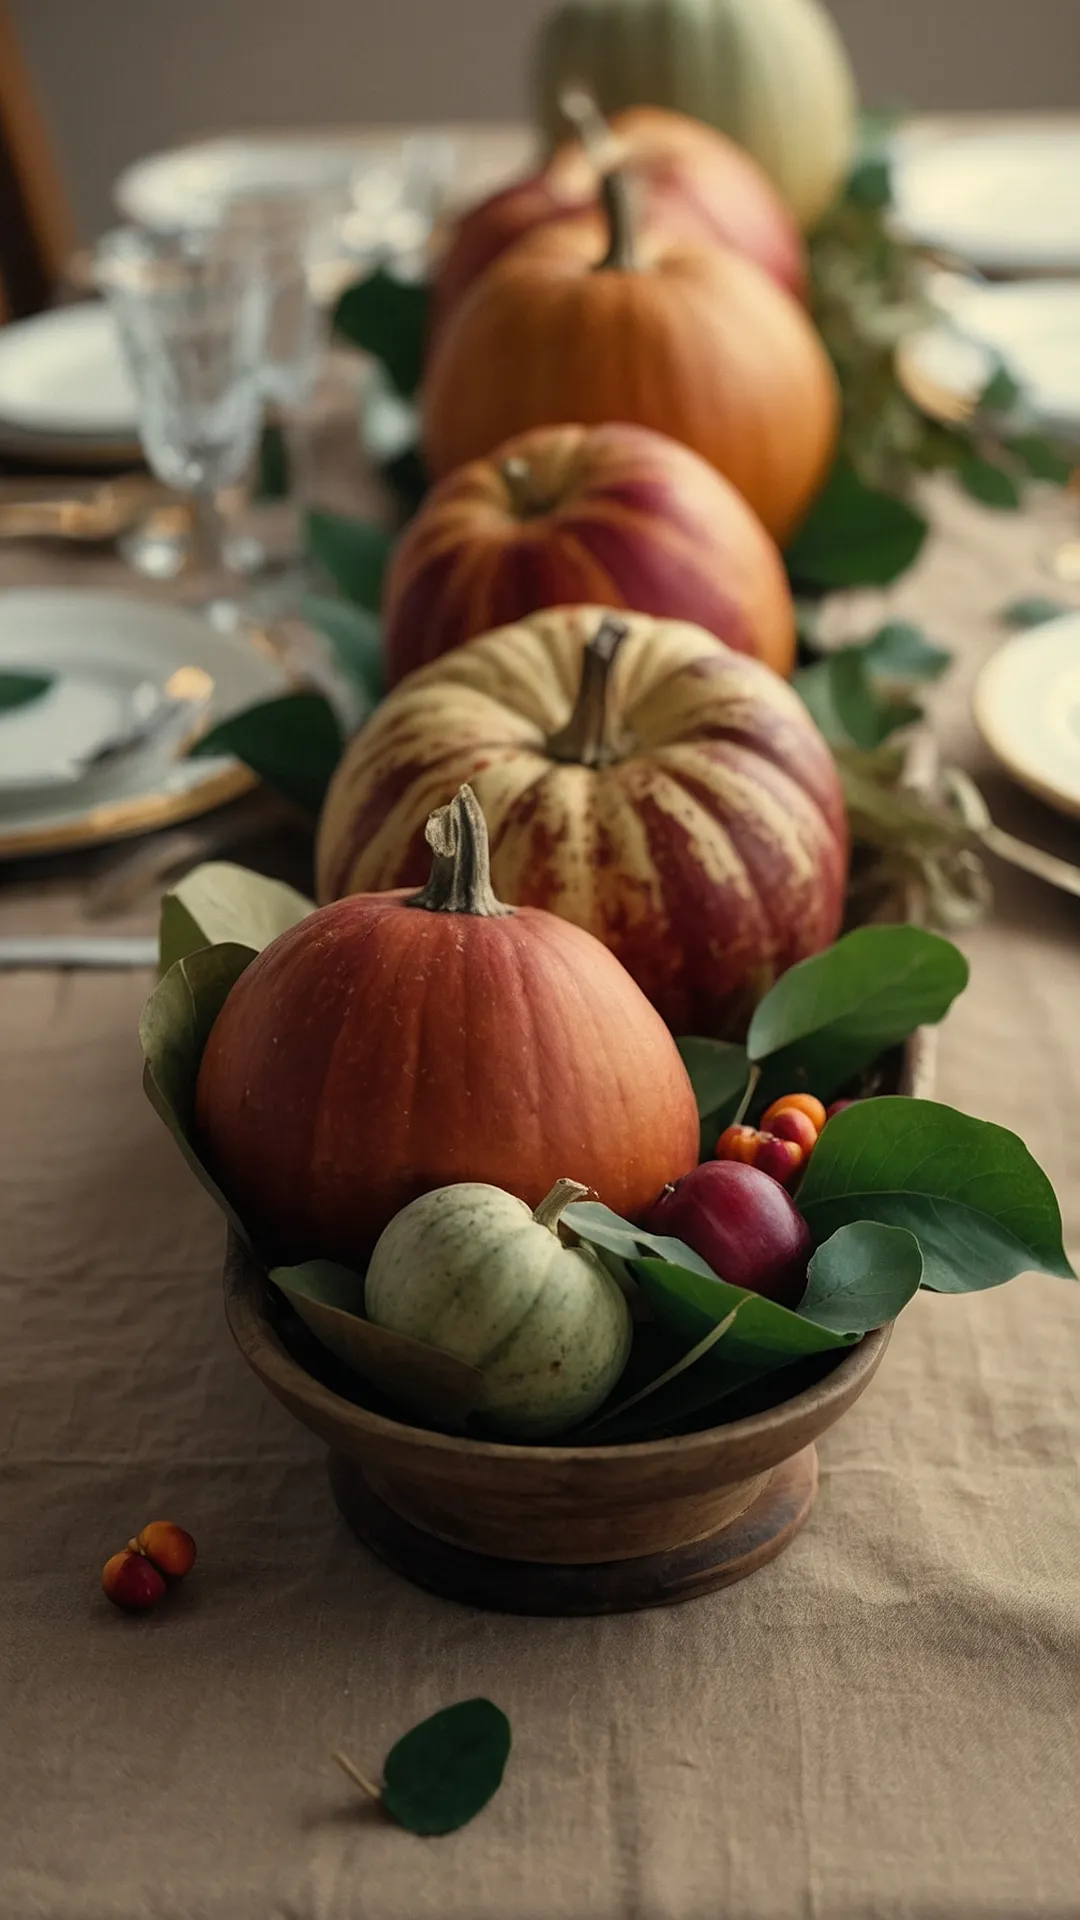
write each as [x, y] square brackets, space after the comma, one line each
[884, 1723]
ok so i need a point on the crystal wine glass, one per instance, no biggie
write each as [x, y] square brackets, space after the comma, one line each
[192, 315]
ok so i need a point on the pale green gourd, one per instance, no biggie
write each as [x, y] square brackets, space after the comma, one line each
[773, 74]
[470, 1270]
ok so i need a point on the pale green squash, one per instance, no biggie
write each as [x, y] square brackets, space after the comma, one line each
[469, 1270]
[773, 74]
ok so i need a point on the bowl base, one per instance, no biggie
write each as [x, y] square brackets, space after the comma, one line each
[755, 1537]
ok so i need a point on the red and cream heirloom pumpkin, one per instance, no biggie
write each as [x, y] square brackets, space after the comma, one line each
[613, 515]
[397, 1042]
[638, 777]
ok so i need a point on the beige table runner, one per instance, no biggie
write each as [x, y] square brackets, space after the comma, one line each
[884, 1725]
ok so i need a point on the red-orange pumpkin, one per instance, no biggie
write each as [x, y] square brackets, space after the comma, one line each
[394, 1042]
[679, 803]
[689, 182]
[612, 515]
[692, 341]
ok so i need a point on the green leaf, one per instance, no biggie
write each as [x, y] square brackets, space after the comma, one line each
[980, 1207]
[219, 902]
[694, 1391]
[861, 1277]
[901, 651]
[764, 1335]
[1000, 393]
[870, 182]
[683, 1365]
[293, 743]
[600, 1227]
[18, 689]
[387, 318]
[354, 554]
[830, 1016]
[330, 1301]
[408, 479]
[1032, 610]
[718, 1074]
[841, 698]
[1042, 459]
[273, 477]
[355, 639]
[988, 482]
[442, 1774]
[173, 1030]
[855, 535]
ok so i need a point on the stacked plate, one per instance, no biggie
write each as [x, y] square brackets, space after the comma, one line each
[99, 753]
[1003, 203]
[65, 397]
[1027, 706]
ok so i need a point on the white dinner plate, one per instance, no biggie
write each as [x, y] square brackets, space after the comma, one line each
[1033, 326]
[63, 379]
[47, 743]
[100, 649]
[1027, 707]
[192, 186]
[1006, 201]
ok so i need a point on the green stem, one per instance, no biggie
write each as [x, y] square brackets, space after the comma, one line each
[588, 737]
[460, 879]
[578, 105]
[549, 1212]
[520, 483]
[621, 256]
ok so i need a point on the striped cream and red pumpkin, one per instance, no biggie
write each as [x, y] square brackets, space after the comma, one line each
[617, 516]
[638, 777]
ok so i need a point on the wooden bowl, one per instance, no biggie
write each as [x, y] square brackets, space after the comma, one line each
[559, 1530]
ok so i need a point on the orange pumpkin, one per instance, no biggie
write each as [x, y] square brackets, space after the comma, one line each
[395, 1042]
[638, 777]
[614, 515]
[695, 342]
[688, 181]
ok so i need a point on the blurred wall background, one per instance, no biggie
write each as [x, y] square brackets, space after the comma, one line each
[120, 78]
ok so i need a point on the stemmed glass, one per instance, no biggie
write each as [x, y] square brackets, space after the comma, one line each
[291, 233]
[192, 316]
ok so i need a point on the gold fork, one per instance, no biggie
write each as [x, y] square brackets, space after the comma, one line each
[100, 515]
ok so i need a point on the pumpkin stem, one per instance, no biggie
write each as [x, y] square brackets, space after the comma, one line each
[587, 735]
[578, 105]
[621, 255]
[549, 1212]
[460, 880]
[520, 482]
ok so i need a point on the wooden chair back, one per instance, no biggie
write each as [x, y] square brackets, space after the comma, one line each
[36, 227]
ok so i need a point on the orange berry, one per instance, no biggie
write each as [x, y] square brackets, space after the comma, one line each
[171, 1550]
[781, 1159]
[802, 1102]
[791, 1123]
[132, 1582]
[737, 1143]
[838, 1107]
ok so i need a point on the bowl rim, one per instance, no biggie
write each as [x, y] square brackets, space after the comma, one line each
[268, 1356]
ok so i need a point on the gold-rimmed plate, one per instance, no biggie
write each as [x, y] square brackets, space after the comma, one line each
[1027, 708]
[1032, 326]
[81, 636]
[66, 399]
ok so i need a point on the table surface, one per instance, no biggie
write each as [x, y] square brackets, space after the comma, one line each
[883, 1723]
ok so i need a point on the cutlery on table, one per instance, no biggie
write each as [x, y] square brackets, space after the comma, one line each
[102, 514]
[1018, 853]
[37, 952]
